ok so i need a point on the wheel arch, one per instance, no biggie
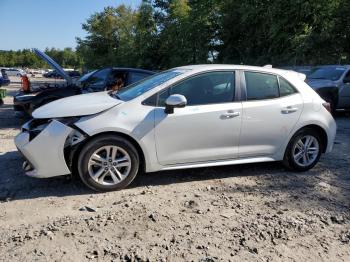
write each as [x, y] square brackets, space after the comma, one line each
[75, 152]
[320, 130]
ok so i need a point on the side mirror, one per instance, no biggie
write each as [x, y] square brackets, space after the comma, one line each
[174, 101]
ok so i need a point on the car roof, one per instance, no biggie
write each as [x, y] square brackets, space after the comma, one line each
[234, 67]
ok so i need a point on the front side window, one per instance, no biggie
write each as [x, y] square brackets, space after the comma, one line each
[208, 88]
[261, 86]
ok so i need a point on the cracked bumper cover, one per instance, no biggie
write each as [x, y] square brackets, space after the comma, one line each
[45, 152]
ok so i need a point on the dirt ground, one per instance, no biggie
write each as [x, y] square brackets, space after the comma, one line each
[254, 212]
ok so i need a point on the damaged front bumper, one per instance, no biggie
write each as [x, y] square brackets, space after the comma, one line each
[44, 151]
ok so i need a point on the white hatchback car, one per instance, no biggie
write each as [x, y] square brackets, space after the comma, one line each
[187, 117]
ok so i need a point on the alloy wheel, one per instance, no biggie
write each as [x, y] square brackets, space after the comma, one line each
[109, 165]
[305, 150]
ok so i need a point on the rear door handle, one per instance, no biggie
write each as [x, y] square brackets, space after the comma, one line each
[289, 109]
[230, 114]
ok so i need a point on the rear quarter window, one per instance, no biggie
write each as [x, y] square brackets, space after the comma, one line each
[286, 88]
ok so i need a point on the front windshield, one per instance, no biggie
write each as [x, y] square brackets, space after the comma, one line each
[329, 73]
[141, 87]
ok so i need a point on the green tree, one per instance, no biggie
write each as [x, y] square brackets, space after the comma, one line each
[110, 38]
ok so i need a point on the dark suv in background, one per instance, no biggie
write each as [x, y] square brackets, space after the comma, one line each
[99, 80]
[332, 83]
[4, 80]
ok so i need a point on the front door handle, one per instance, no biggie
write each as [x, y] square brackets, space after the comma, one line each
[230, 114]
[289, 109]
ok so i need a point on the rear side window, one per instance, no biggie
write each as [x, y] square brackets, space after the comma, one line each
[286, 89]
[261, 86]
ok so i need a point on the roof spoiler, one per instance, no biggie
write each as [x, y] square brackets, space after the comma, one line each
[267, 66]
[54, 65]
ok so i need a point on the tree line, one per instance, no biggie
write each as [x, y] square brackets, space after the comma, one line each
[161, 34]
[67, 58]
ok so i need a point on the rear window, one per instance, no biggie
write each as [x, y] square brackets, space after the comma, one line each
[330, 73]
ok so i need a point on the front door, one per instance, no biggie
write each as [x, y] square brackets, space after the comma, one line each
[207, 128]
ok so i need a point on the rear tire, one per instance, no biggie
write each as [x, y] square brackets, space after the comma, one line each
[303, 151]
[108, 163]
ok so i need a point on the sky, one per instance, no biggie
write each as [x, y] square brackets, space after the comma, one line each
[47, 23]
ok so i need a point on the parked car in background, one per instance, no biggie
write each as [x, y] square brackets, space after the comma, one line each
[4, 80]
[52, 74]
[99, 80]
[306, 70]
[35, 72]
[332, 83]
[187, 117]
[15, 72]
[74, 74]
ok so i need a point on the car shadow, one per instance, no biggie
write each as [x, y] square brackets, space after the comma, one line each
[269, 178]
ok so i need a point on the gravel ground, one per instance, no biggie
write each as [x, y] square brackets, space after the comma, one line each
[254, 212]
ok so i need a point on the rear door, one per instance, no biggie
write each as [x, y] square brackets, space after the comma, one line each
[269, 113]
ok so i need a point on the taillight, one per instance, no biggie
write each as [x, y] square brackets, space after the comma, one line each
[327, 106]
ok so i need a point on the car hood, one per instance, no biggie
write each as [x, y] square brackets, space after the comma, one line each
[54, 65]
[79, 105]
[319, 83]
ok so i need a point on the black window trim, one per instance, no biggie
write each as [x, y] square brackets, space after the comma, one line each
[244, 85]
[237, 97]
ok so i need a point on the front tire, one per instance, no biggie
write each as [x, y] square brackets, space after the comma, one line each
[108, 163]
[303, 151]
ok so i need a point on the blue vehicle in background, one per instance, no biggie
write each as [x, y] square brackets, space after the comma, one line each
[4, 80]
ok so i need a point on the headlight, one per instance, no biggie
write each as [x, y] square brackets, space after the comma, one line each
[35, 126]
